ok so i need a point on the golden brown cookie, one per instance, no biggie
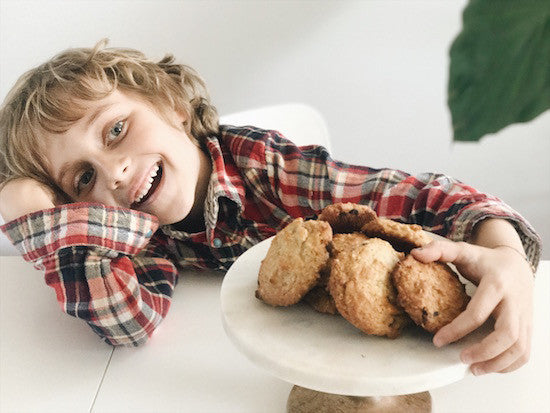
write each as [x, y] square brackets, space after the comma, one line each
[348, 217]
[320, 300]
[293, 262]
[430, 293]
[319, 297]
[403, 237]
[361, 286]
[342, 242]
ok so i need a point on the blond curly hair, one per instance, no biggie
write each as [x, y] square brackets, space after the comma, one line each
[50, 97]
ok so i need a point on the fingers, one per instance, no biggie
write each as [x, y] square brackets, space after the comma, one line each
[436, 251]
[514, 366]
[501, 362]
[526, 352]
[505, 335]
[477, 312]
[459, 253]
[509, 360]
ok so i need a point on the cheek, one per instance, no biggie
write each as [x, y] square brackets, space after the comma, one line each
[101, 194]
[95, 196]
[189, 154]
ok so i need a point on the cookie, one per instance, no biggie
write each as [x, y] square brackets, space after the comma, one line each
[343, 242]
[319, 297]
[320, 300]
[293, 262]
[347, 218]
[403, 237]
[430, 293]
[361, 286]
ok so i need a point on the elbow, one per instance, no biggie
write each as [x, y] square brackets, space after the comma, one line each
[126, 340]
[123, 336]
[132, 325]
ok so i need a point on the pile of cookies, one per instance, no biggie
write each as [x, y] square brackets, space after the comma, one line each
[351, 262]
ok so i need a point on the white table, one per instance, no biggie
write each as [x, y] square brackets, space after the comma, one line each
[49, 362]
[189, 365]
[53, 363]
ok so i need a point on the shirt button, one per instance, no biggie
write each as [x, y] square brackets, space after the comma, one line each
[217, 242]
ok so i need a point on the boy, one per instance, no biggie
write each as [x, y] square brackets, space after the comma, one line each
[115, 172]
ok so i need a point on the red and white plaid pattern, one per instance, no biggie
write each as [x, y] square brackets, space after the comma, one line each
[115, 269]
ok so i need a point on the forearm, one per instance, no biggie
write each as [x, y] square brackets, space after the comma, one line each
[495, 232]
[306, 181]
[460, 213]
[499, 233]
[102, 264]
[123, 299]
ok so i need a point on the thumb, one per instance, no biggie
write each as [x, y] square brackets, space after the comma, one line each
[444, 251]
[464, 256]
[461, 254]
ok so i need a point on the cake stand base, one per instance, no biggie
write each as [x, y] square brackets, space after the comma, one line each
[302, 400]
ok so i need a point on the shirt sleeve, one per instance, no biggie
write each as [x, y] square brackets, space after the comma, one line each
[306, 179]
[103, 265]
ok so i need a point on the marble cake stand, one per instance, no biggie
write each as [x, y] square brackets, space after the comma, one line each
[334, 366]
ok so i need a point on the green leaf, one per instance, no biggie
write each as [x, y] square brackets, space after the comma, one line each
[500, 66]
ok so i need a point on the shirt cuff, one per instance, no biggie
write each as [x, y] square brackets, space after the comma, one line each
[42, 233]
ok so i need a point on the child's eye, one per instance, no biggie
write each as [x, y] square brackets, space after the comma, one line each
[115, 131]
[84, 180]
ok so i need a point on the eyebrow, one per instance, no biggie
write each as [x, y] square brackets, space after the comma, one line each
[97, 112]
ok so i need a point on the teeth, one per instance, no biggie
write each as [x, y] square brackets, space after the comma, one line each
[147, 186]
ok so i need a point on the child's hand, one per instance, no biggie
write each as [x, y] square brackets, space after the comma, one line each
[23, 196]
[505, 291]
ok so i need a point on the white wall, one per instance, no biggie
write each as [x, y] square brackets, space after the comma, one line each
[377, 71]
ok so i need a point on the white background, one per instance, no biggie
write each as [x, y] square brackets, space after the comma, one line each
[376, 70]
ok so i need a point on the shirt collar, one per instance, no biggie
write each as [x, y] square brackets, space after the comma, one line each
[220, 186]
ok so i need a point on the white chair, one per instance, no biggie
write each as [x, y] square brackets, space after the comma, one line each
[296, 121]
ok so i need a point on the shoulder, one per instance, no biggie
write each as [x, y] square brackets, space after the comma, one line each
[237, 136]
[248, 145]
[252, 147]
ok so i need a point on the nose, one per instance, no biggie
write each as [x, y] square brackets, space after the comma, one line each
[117, 172]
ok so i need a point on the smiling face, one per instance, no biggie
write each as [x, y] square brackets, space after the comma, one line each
[124, 153]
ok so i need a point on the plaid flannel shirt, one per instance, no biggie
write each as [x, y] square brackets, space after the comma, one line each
[116, 269]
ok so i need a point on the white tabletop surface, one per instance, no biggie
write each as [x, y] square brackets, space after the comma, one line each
[189, 365]
[50, 362]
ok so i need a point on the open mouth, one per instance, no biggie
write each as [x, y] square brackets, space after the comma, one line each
[154, 185]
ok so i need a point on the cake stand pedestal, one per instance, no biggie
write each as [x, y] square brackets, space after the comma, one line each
[327, 358]
[302, 400]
